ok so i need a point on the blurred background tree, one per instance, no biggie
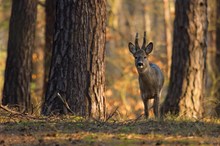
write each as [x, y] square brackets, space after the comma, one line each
[37, 74]
[5, 12]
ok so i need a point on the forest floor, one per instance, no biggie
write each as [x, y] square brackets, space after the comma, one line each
[70, 130]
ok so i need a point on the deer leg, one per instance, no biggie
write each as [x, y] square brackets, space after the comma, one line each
[156, 106]
[146, 109]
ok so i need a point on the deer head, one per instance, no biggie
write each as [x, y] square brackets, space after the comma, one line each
[141, 54]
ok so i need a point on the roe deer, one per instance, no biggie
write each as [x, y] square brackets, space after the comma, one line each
[151, 78]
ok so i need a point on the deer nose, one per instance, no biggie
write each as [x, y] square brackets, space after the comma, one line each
[140, 64]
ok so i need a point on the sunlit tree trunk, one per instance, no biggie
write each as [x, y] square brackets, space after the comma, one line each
[168, 35]
[186, 89]
[16, 90]
[146, 20]
[76, 78]
[113, 19]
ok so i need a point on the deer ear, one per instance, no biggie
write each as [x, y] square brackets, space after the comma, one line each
[132, 48]
[149, 48]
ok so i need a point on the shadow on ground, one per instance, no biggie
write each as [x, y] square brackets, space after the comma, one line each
[77, 131]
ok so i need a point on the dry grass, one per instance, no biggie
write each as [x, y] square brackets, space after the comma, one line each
[71, 130]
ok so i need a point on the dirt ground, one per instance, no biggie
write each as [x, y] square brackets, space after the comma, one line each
[70, 130]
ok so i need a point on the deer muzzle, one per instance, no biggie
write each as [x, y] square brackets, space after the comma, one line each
[140, 64]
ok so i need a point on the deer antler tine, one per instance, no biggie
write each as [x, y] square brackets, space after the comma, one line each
[136, 41]
[144, 40]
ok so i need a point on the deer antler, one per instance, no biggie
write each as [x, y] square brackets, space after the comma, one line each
[144, 41]
[136, 41]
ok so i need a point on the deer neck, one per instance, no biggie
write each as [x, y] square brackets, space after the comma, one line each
[147, 74]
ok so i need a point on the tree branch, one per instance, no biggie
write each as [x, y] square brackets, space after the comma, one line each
[5, 108]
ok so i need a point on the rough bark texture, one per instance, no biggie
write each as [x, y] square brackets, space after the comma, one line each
[217, 58]
[186, 88]
[76, 80]
[50, 7]
[16, 89]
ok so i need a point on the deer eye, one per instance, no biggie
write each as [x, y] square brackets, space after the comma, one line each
[135, 57]
[145, 57]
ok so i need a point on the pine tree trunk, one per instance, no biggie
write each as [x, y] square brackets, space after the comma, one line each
[212, 73]
[16, 90]
[147, 23]
[50, 7]
[186, 88]
[168, 35]
[217, 58]
[76, 80]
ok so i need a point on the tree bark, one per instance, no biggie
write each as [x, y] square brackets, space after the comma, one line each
[186, 88]
[16, 91]
[212, 73]
[76, 80]
[217, 58]
[50, 7]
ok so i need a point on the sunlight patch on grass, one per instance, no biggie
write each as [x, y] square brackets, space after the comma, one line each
[67, 130]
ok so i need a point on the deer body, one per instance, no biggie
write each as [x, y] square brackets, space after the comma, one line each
[151, 78]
